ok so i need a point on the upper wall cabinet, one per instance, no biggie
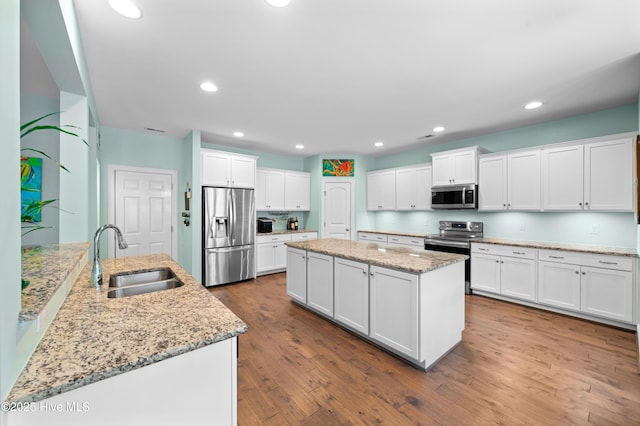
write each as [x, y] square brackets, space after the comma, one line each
[413, 187]
[279, 190]
[381, 190]
[595, 176]
[219, 168]
[456, 167]
[297, 191]
[510, 181]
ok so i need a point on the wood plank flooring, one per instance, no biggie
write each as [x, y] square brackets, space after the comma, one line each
[515, 365]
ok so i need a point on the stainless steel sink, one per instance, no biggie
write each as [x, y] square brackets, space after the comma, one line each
[132, 283]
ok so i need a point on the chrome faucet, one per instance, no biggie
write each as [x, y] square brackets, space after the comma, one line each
[96, 272]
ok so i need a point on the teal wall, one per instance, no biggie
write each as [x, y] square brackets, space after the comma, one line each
[10, 185]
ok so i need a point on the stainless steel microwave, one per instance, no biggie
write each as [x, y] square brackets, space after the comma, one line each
[454, 197]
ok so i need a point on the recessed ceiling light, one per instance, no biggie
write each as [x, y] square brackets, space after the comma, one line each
[378, 144]
[238, 134]
[533, 105]
[278, 3]
[438, 129]
[299, 146]
[126, 8]
[208, 86]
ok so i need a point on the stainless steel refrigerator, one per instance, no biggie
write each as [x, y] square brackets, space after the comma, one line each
[228, 233]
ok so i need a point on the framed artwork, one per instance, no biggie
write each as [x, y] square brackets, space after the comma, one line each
[337, 167]
[31, 189]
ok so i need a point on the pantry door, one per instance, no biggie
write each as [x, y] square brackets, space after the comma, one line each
[143, 205]
[338, 209]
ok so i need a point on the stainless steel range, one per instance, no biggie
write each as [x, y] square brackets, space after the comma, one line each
[456, 237]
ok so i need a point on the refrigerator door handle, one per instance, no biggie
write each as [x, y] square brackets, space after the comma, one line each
[228, 249]
[232, 215]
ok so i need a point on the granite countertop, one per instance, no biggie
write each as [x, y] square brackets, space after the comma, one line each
[415, 261]
[46, 267]
[285, 231]
[93, 337]
[400, 233]
[613, 251]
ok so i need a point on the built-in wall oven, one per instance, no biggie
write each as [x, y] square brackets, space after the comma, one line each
[455, 237]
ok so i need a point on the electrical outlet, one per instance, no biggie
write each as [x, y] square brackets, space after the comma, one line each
[595, 228]
[523, 226]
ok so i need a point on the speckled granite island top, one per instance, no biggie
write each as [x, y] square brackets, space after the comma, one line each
[93, 337]
[403, 259]
[46, 267]
[613, 251]
[400, 233]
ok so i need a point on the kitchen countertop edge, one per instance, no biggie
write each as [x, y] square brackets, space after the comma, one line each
[542, 245]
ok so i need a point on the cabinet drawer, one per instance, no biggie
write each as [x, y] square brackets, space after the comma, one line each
[405, 240]
[272, 238]
[366, 236]
[558, 256]
[618, 263]
[500, 250]
[303, 236]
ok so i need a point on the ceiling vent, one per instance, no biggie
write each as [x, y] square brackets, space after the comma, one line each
[151, 129]
[424, 137]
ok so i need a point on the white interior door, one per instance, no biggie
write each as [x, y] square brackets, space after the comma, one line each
[337, 210]
[143, 209]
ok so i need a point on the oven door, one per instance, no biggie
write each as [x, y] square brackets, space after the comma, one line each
[456, 247]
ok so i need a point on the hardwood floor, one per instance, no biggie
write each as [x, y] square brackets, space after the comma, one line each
[515, 365]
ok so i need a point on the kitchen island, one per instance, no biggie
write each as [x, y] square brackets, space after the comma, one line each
[409, 302]
[168, 357]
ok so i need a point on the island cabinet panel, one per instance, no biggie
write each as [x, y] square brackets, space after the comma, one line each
[320, 283]
[297, 274]
[394, 310]
[351, 286]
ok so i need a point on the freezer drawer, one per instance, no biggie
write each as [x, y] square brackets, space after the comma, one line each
[228, 265]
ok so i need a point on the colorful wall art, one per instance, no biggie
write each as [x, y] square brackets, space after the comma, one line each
[31, 189]
[337, 167]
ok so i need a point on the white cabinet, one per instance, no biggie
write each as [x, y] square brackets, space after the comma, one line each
[405, 241]
[269, 192]
[595, 176]
[297, 274]
[593, 284]
[413, 188]
[510, 182]
[394, 310]
[506, 270]
[381, 190]
[219, 168]
[370, 236]
[320, 283]
[351, 287]
[456, 167]
[302, 236]
[297, 190]
[271, 252]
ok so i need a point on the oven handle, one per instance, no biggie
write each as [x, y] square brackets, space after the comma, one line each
[428, 242]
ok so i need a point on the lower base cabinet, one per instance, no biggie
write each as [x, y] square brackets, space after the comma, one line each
[320, 283]
[559, 285]
[394, 309]
[351, 288]
[297, 274]
[607, 293]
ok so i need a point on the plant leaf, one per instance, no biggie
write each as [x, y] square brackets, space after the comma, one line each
[46, 155]
[24, 126]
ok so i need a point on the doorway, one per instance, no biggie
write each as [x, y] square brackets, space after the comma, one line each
[143, 204]
[338, 208]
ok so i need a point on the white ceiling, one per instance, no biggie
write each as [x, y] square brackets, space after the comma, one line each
[338, 75]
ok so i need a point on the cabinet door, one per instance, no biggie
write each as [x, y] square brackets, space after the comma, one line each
[442, 170]
[421, 188]
[493, 183]
[351, 288]
[394, 309]
[388, 190]
[261, 190]
[320, 283]
[279, 255]
[373, 191]
[562, 178]
[518, 278]
[297, 274]
[465, 168]
[243, 171]
[275, 190]
[215, 168]
[405, 179]
[297, 188]
[485, 272]
[559, 285]
[608, 175]
[265, 257]
[607, 293]
[524, 181]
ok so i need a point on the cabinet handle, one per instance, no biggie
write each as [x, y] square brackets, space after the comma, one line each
[580, 204]
[584, 273]
[483, 249]
[604, 262]
[557, 257]
[577, 272]
[371, 274]
[364, 272]
[586, 204]
[502, 261]
[519, 252]
[497, 261]
[504, 205]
